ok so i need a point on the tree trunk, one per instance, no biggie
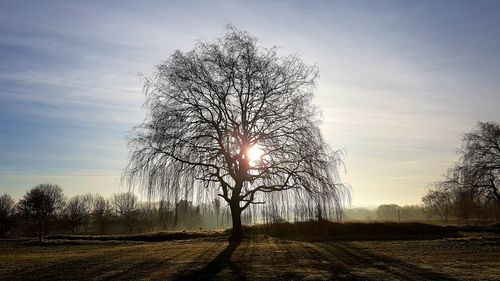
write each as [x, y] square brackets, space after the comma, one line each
[236, 232]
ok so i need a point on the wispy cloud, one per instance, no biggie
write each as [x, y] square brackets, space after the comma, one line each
[399, 82]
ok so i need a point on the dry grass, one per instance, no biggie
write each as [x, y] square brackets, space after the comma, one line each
[145, 237]
[259, 258]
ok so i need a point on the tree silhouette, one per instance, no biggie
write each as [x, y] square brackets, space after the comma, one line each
[473, 181]
[6, 212]
[125, 205]
[480, 161]
[439, 200]
[234, 119]
[102, 212]
[41, 202]
[75, 212]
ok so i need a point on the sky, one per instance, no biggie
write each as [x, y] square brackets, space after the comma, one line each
[400, 82]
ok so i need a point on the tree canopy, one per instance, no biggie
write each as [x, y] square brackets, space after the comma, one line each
[473, 182]
[41, 202]
[235, 119]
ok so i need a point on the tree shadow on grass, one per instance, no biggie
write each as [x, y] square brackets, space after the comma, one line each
[319, 262]
[390, 267]
[108, 266]
[214, 267]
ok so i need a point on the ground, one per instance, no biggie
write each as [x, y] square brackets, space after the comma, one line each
[258, 258]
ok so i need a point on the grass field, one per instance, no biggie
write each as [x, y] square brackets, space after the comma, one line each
[473, 257]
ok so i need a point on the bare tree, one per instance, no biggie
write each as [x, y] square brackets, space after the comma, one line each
[40, 203]
[6, 212]
[234, 119]
[75, 212]
[480, 161]
[125, 204]
[88, 201]
[163, 213]
[466, 204]
[475, 178]
[102, 212]
[439, 201]
[216, 209]
[146, 216]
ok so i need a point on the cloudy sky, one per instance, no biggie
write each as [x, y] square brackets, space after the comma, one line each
[400, 82]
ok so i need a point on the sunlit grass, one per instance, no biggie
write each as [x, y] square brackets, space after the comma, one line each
[257, 258]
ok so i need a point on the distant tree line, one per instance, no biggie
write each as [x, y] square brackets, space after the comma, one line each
[443, 209]
[389, 212]
[469, 190]
[44, 209]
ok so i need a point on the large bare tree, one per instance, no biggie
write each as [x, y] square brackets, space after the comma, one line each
[480, 161]
[474, 180]
[234, 119]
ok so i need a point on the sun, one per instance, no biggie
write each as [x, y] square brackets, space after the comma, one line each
[254, 154]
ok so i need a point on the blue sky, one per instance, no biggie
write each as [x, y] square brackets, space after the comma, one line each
[400, 82]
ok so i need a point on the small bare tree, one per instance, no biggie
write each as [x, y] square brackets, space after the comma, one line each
[6, 213]
[75, 212]
[216, 208]
[234, 119]
[439, 201]
[163, 213]
[102, 212]
[125, 205]
[40, 203]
